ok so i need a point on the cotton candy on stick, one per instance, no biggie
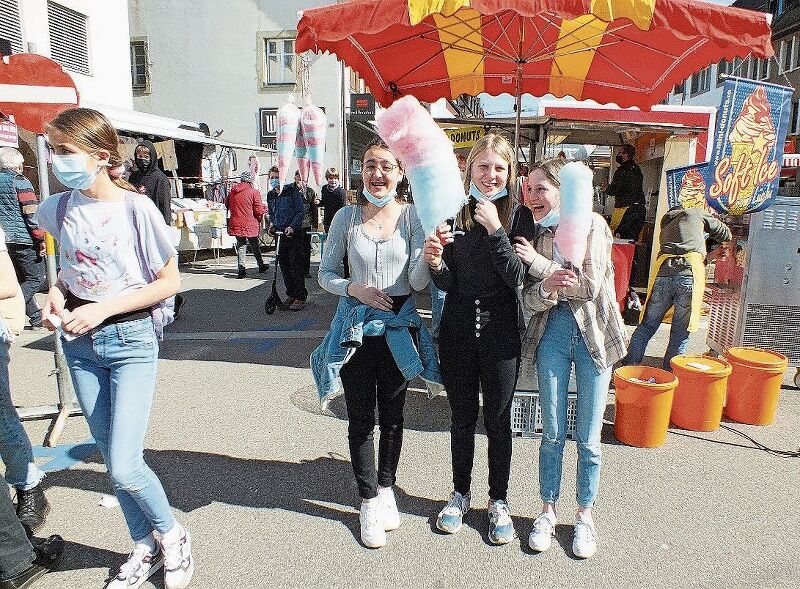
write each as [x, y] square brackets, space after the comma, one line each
[288, 125]
[428, 158]
[575, 220]
[314, 127]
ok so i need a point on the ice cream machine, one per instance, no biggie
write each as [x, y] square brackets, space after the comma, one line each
[755, 291]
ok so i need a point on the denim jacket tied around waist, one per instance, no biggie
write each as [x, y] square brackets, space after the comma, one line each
[354, 320]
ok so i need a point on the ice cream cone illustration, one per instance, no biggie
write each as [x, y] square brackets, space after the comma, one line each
[752, 139]
[692, 193]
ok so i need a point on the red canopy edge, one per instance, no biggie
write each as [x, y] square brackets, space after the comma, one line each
[686, 19]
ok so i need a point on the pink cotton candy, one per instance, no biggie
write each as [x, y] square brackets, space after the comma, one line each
[572, 239]
[314, 126]
[288, 125]
[410, 131]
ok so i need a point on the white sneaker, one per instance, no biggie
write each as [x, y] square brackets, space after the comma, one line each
[373, 534]
[178, 561]
[541, 536]
[584, 544]
[388, 506]
[140, 566]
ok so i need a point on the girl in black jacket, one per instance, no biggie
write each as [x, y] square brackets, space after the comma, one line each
[479, 340]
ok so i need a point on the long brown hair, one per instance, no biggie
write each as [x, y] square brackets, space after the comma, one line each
[505, 206]
[92, 131]
[550, 168]
[402, 185]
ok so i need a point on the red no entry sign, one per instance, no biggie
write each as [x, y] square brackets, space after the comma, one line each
[35, 90]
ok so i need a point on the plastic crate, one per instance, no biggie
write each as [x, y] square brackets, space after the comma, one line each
[526, 415]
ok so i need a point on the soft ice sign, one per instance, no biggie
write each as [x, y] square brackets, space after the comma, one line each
[743, 173]
[686, 186]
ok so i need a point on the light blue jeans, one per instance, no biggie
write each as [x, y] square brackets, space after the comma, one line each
[667, 291]
[15, 445]
[114, 373]
[437, 306]
[562, 346]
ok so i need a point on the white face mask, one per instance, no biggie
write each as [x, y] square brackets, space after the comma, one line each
[379, 202]
[475, 193]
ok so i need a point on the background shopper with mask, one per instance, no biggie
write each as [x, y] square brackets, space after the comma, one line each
[479, 336]
[575, 321]
[626, 188]
[383, 240]
[150, 180]
[118, 263]
[286, 214]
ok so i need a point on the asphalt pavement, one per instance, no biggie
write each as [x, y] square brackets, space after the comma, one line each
[262, 478]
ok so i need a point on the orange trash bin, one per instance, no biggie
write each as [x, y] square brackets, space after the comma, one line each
[700, 394]
[754, 385]
[643, 408]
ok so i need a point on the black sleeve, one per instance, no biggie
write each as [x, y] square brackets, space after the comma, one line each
[163, 198]
[445, 280]
[342, 198]
[505, 259]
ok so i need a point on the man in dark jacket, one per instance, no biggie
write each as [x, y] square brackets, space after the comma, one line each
[24, 239]
[150, 180]
[245, 211]
[333, 197]
[626, 188]
[682, 237]
[287, 213]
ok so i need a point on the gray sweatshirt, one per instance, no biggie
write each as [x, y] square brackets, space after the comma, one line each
[394, 265]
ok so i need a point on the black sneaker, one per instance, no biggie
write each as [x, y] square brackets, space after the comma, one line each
[32, 508]
[263, 268]
[48, 551]
[242, 273]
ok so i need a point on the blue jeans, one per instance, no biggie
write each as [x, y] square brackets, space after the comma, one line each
[114, 373]
[437, 305]
[667, 291]
[15, 446]
[562, 346]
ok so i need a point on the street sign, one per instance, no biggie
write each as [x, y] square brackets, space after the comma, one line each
[362, 107]
[268, 127]
[35, 90]
[465, 136]
[9, 136]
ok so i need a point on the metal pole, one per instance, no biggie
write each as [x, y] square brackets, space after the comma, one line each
[65, 391]
[518, 108]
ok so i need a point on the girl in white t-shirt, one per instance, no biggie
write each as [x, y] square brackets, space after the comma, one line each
[118, 265]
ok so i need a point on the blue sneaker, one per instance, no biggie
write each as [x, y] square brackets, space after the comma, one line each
[451, 517]
[501, 528]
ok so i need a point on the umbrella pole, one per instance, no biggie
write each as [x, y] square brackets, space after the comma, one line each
[518, 109]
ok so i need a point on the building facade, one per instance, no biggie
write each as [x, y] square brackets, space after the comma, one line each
[231, 65]
[88, 38]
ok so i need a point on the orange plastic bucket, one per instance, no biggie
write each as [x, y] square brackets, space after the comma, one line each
[643, 408]
[700, 394]
[754, 385]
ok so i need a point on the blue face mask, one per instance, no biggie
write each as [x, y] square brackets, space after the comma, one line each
[551, 219]
[475, 193]
[274, 183]
[379, 202]
[71, 170]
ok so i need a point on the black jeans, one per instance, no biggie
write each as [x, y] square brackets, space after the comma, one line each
[371, 375]
[487, 363]
[29, 266]
[305, 234]
[16, 552]
[241, 250]
[290, 258]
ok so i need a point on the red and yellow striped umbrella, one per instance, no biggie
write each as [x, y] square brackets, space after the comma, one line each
[627, 52]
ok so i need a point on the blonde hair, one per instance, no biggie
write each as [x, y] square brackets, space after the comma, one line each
[331, 173]
[550, 168]
[92, 131]
[505, 207]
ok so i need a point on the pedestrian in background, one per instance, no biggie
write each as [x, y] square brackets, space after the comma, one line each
[679, 282]
[383, 239]
[310, 220]
[245, 211]
[333, 197]
[23, 237]
[575, 321]
[15, 445]
[118, 264]
[286, 213]
[479, 336]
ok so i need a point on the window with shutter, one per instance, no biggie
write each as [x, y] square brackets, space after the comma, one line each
[10, 28]
[139, 75]
[69, 38]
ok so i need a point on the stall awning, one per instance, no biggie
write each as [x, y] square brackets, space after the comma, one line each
[147, 124]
